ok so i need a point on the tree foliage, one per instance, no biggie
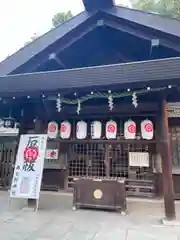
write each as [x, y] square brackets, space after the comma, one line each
[57, 19]
[61, 17]
[170, 8]
[34, 37]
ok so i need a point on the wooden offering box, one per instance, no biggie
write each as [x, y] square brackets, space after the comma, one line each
[100, 194]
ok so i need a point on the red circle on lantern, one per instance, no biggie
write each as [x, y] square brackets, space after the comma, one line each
[63, 128]
[131, 128]
[52, 127]
[31, 154]
[148, 127]
[111, 128]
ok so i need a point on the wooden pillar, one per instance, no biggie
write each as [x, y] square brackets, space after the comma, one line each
[166, 154]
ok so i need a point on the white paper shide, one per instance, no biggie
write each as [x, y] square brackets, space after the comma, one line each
[29, 164]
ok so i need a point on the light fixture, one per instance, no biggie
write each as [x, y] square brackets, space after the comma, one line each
[43, 96]
[169, 86]
[28, 97]
[14, 98]
[128, 89]
[75, 94]
[52, 56]
[92, 93]
[109, 91]
[148, 88]
[155, 42]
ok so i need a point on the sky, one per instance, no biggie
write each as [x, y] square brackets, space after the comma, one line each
[21, 19]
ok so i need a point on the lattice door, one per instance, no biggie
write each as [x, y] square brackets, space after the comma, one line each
[7, 161]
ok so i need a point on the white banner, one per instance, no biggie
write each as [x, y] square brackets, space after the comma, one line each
[26, 182]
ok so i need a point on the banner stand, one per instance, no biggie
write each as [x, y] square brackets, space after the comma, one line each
[33, 203]
[27, 177]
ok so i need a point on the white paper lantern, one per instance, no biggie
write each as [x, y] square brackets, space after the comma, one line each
[81, 130]
[147, 130]
[129, 129]
[96, 130]
[52, 131]
[111, 129]
[65, 130]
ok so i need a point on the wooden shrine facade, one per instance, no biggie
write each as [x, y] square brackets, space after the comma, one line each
[106, 64]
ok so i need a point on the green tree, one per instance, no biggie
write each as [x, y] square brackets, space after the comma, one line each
[34, 37]
[57, 19]
[61, 17]
[170, 8]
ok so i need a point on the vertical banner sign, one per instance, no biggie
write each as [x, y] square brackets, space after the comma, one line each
[26, 182]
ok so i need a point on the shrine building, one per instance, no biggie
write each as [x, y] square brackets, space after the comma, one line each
[104, 86]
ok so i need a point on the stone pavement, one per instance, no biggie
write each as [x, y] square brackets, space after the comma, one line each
[55, 220]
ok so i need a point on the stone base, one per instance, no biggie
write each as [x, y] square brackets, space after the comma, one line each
[27, 209]
[170, 223]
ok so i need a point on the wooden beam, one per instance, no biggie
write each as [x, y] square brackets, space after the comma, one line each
[54, 57]
[77, 35]
[100, 112]
[140, 34]
[166, 154]
[124, 108]
[122, 57]
[101, 141]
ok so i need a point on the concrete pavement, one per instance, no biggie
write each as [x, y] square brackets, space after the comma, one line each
[56, 220]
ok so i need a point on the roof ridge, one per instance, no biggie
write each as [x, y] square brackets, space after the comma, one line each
[96, 67]
[149, 13]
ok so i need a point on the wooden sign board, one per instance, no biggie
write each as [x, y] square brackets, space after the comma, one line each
[138, 159]
[174, 110]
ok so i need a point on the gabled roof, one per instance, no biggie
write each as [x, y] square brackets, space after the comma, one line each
[155, 21]
[35, 47]
[144, 73]
[144, 19]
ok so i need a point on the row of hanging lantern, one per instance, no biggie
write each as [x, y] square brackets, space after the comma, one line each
[147, 131]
